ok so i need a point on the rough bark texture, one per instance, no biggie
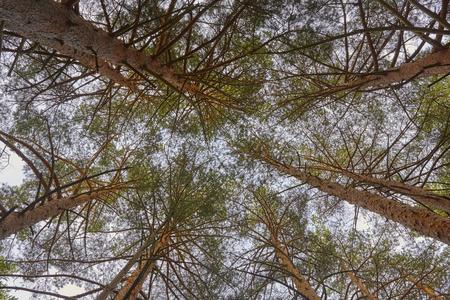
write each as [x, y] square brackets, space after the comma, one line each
[420, 195]
[52, 24]
[358, 282]
[116, 280]
[301, 284]
[87, 59]
[98, 65]
[425, 222]
[433, 64]
[14, 223]
[142, 272]
[425, 289]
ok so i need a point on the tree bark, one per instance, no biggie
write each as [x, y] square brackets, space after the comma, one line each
[141, 273]
[15, 222]
[425, 222]
[435, 63]
[301, 284]
[273, 226]
[358, 282]
[116, 280]
[52, 24]
[425, 289]
[418, 194]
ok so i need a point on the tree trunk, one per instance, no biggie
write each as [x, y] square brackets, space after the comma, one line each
[433, 64]
[301, 284]
[116, 280]
[15, 222]
[425, 289]
[358, 282]
[52, 24]
[425, 222]
[418, 194]
[273, 226]
[137, 278]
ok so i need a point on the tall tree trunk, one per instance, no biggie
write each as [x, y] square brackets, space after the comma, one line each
[418, 194]
[358, 282]
[52, 24]
[272, 224]
[15, 222]
[300, 282]
[425, 222]
[133, 286]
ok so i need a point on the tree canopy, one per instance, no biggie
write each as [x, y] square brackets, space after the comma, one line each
[256, 149]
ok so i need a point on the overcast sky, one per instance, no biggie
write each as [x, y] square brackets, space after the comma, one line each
[10, 167]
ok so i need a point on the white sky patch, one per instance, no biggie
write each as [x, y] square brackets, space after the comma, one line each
[71, 290]
[68, 290]
[362, 223]
[11, 167]
[20, 295]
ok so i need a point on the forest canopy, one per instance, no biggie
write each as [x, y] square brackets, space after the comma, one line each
[253, 149]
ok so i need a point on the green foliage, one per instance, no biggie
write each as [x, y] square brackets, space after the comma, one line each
[6, 268]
